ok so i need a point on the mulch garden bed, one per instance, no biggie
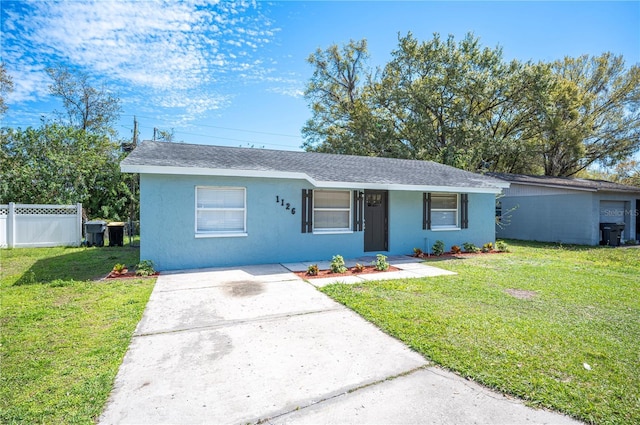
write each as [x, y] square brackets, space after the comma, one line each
[351, 272]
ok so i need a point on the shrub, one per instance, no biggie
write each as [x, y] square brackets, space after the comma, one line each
[417, 252]
[359, 268]
[438, 248]
[337, 264]
[502, 246]
[145, 268]
[488, 247]
[381, 263]
[469, 247]
[119, 268]
[313, 270]
[455, 249]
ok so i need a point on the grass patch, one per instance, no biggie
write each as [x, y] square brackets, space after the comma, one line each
[64, 334]
[525, 323]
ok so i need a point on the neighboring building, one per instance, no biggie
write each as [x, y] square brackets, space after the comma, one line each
[203, 206]
[567, 210]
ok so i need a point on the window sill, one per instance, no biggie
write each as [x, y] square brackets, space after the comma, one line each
[332, 232]
[220, 235]
[445, 229]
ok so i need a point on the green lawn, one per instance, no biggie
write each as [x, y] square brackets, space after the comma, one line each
[530, 323]
[63, 333]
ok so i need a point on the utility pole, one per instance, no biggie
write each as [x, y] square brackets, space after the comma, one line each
[135, 132]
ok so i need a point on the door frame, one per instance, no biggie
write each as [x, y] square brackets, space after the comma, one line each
[385, 227]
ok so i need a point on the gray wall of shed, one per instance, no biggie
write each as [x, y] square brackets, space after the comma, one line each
[560, 215]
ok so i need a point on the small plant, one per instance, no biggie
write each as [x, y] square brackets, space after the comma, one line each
[337, 264]
[502, 246]
[488, 247]
[119, 268]
[381, 263]
[469, 247]
[455, 249]
[359, 268]
[417, 252]
[438, 248]
[145, 268]
[313, 270]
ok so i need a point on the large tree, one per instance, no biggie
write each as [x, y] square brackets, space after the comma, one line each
[56, 164]
[6, 86]
[592, 114]
[462, 104]
[88, 107]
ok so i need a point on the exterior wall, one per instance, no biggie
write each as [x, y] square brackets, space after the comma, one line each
[406, 233]
[558, 215]
[167, 214]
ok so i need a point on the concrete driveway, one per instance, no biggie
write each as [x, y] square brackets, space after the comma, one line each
[257, 344]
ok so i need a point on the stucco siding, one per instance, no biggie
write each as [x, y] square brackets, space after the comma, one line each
[543, 214]
[567, 218]
[273, 234]
[406, 233]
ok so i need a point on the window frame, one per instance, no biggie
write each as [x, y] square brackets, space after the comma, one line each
[221, 233]
[456, 211]
[334, 230]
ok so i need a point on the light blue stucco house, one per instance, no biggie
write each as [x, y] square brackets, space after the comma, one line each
[204, 206]
[566, 210]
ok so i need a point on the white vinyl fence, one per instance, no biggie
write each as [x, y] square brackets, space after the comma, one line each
[30, 226]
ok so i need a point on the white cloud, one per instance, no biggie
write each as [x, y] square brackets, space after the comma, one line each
[164, 48]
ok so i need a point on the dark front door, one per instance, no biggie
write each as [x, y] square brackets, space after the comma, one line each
[375, 220]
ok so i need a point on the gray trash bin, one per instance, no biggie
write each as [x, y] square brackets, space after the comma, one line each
[611, 233]
[616, 234]
[94, 232]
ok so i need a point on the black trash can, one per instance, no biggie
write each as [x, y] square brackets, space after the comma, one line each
[94, 232]
[116, 233]
[616, 234]
[611, 233]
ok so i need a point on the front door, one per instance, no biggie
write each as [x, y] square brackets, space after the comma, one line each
[376, 221]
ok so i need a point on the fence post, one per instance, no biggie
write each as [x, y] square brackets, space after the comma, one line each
[79, 221]
[11, 221]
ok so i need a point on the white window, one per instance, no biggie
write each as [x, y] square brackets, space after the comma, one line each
[220, 211]
[444, 211]
[331, 210]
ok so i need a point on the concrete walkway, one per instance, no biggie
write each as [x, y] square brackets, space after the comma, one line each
[257, 344]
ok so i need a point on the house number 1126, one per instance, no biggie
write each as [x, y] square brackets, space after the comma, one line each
[286, 205]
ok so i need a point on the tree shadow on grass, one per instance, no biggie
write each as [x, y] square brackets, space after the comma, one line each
[79, 264]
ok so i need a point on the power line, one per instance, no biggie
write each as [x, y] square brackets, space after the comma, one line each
[233, 129]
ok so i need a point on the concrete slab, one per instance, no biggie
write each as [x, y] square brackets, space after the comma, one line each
[241, 346]
[324, 281]
[228, 300]
[246, 372]
[426, 396]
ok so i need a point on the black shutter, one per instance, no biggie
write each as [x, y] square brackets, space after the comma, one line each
[426, 211]
[464, 211]
[358, 210]
[307, 210]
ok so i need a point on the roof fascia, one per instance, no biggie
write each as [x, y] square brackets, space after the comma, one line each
[229, 172]
[555, 186]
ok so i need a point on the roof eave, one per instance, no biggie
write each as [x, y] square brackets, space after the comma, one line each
[231, 172]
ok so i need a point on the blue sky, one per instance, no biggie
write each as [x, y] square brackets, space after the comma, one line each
[233, 73]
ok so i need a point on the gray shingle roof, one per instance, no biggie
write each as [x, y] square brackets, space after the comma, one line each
[320, 167]
[566, 182]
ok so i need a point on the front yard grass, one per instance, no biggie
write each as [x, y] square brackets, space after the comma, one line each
[556, 326]
[64, 334]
